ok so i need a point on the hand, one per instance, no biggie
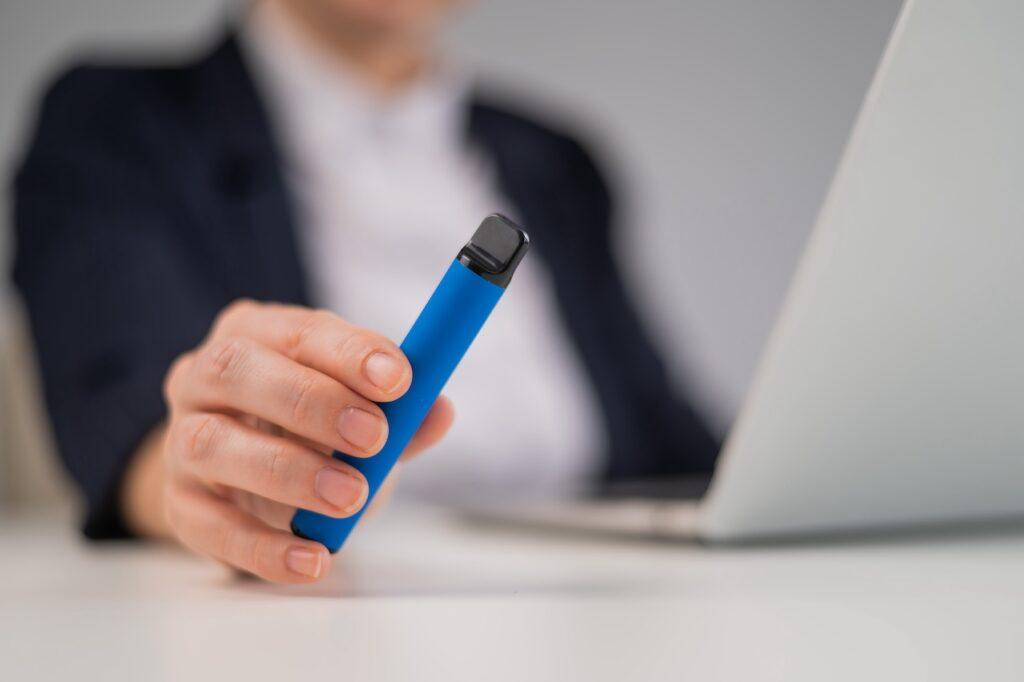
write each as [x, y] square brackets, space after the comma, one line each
[255, 413]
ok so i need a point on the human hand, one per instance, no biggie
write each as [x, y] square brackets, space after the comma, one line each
[255, 413]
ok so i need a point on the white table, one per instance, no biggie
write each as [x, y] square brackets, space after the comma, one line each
[421, 596]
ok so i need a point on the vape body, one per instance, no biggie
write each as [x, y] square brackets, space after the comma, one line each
[439, 338]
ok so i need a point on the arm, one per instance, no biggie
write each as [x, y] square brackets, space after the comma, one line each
[214, 446]
[101, 264]
[668, 435]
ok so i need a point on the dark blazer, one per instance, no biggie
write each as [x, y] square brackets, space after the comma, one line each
[151, 197]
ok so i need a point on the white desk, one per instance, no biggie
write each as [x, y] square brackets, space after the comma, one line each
[423, 597]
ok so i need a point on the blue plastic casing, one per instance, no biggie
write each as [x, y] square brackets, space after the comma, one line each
[434, 346]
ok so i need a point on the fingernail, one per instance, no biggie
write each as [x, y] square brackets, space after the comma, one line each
[384, 371]
[362, 429]
[345, 491]
[304, 561]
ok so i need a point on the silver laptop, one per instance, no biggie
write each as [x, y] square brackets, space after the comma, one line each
[891, 392]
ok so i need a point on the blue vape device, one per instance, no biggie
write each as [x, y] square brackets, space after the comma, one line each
[434, 346]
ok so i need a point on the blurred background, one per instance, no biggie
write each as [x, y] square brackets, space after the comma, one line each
[721, 121]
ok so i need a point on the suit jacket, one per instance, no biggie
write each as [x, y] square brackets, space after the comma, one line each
[151, 197]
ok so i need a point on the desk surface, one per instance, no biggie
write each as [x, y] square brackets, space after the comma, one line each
[421, 596]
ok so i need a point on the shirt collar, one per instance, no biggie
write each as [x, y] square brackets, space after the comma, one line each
[318, 98]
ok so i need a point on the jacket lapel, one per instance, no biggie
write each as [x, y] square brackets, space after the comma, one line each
[255, 228]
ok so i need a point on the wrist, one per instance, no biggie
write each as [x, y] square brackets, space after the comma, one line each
[142, 490]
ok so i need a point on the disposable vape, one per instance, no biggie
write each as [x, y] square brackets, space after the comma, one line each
[439, 338]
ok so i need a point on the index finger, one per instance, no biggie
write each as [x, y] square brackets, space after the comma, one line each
[368, 363]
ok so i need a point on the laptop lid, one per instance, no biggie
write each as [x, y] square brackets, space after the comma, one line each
[892, 389]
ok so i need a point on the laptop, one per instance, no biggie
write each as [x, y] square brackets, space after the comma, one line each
[891, 391]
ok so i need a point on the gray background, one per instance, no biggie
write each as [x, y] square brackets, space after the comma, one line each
[722, 119]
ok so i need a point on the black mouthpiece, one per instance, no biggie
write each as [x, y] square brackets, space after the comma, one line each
[495, 249]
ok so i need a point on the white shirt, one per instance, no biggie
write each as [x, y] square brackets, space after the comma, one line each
[387, 191]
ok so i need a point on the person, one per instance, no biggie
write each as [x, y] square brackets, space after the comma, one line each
[177, 224]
